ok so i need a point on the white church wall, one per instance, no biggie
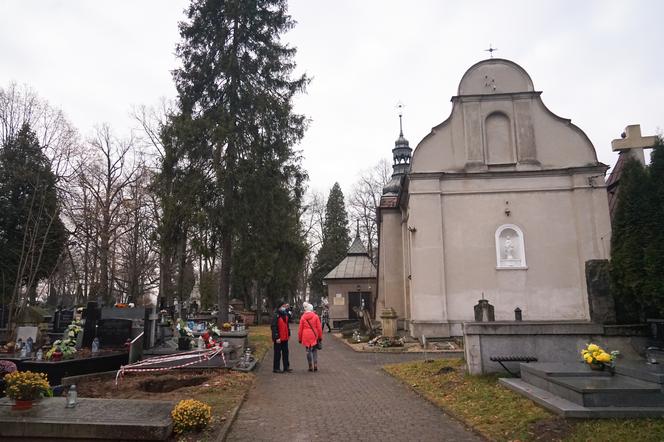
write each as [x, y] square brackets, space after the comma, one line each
[391, 266]
[455, 261]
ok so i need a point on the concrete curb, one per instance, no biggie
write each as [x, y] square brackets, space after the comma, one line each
[442, 409]
[397, 350]
[226, 428]
[223, 433]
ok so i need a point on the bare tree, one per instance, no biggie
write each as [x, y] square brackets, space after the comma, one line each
[57, 137]
[107, 177]
[363, 200]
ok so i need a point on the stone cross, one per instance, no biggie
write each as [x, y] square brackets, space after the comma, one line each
[632, 143]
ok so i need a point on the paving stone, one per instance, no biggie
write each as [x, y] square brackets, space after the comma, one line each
[349, 398]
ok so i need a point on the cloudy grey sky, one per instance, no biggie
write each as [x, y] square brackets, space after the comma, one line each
[597, 62]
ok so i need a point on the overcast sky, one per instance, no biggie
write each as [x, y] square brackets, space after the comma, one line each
[598, 63]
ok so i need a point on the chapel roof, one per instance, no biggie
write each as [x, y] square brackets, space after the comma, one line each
[356, 264]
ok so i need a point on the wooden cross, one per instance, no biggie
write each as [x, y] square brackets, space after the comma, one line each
[632, 142]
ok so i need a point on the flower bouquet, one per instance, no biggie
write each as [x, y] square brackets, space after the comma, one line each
[25, 387]
[597, 358]
[65, 348]
[186, 335]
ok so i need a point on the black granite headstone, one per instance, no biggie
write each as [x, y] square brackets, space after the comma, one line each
[113, 332]
[91, 314]
[62, 319]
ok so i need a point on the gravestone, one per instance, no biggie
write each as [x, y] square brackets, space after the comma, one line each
[62, 319]
[123, 313]
[113, 332]
[484, 312]
[91, 314]
[25, 332]
[136, 348]
[602, 306]
[150, 327]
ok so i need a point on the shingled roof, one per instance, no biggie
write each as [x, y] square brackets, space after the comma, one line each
[356, 264]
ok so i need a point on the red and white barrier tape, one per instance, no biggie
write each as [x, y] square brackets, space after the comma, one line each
[141, 366]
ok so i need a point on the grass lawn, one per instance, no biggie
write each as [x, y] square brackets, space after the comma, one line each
[502, 415]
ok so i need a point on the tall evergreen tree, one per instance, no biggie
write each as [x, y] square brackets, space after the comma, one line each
[631, 234]
[654, 250]
[336, 239]
[32, 235]
[235, 85]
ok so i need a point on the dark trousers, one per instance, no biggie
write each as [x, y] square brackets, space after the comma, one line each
[281, 353]
[326, 323]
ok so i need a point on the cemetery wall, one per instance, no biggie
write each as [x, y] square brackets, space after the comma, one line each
[547, 341]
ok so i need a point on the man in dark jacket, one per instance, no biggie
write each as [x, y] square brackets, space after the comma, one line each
[280, 335]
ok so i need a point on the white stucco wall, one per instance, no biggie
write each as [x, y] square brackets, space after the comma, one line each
[556, 216]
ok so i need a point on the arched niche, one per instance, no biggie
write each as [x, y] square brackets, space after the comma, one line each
[498, 139]
[510, 247]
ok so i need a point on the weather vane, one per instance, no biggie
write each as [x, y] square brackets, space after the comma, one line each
[491, 50]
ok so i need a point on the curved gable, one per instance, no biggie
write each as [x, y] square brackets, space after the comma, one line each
[499, 121]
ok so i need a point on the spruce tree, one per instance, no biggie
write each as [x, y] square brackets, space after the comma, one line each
[654, 249]
[235, 86]
[32, 235]
[630, 236]
[336, 241]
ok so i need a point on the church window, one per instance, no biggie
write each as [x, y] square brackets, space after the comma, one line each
[498, 138]
[510, 249]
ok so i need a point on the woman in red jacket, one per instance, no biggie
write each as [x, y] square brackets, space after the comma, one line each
[310, 334]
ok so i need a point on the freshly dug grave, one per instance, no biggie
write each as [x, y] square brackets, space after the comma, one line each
[171, 385]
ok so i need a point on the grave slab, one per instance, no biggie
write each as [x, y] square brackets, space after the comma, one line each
[569, 409]
[119, 419]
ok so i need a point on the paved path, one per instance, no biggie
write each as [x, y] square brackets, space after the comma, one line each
[349, 399]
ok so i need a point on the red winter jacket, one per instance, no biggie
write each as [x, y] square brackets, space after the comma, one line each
[282, 325]
[305, 334]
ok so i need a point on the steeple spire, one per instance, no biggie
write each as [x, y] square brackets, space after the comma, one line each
[401, 155]
[400, 106]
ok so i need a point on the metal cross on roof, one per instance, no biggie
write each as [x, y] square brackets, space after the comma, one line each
[400, 107]
[491, 50]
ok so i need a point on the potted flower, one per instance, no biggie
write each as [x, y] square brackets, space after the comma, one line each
[597, 358]
[184, 341]
[24, 387]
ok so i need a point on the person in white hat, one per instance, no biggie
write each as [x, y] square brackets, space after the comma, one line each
[310, 334]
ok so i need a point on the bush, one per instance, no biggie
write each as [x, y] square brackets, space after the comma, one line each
[191, 415]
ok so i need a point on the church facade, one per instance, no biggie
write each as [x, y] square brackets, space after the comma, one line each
[503, 201]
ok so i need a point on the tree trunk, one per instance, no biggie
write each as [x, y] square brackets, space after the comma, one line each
[224, 279]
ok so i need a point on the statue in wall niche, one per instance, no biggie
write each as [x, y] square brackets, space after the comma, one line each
[509, 247]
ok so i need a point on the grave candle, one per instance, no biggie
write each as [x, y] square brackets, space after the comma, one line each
[72, 396]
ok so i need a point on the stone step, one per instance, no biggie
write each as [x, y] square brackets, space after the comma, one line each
[568, 409]
[119, 419]
[592, 389]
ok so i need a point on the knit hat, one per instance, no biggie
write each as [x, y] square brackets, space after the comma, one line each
[279, 303]
[308, 307]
